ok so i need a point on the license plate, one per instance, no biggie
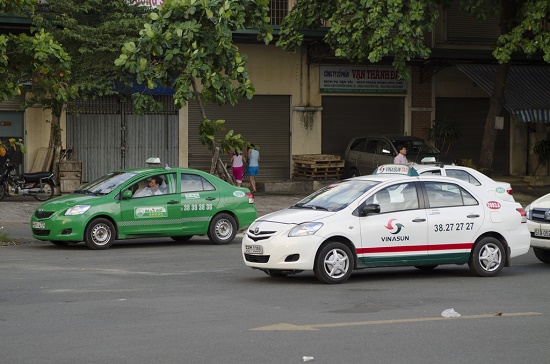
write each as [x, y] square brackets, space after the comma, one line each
[253, 249]
[542, 233]
[38, 225]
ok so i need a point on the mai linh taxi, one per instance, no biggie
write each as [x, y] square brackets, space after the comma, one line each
[385, 221]
[146, 202]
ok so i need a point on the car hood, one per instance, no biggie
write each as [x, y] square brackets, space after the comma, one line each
[295, 216]
[63, 202]
[543, 202]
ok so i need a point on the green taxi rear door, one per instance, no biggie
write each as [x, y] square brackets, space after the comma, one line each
[199, 203]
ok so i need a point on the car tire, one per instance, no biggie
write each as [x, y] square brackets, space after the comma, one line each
[222, 229]
[181, 239]
[426, 267]
[99, 234]
[46, 192]
[354, 173]
[487, 257]
[542, 254]
[3, 190]
[334, 263]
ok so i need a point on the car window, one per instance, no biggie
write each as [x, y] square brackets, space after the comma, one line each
[335, 197]
[371, 145]
[358, 145]
[442, 194]
[435, 172]
[167, 186]
[395, 198]
[384, 148]
[463, 175]
[193, 183]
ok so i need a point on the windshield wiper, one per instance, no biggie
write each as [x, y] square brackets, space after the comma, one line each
[315, 207]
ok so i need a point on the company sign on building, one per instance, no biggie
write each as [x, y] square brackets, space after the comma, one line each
[361, 80]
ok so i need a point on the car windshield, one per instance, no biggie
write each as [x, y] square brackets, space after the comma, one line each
[416, 146]
[335, 197]
[105, 184]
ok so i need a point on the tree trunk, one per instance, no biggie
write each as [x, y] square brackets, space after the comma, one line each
[495, 109]
[217, 166]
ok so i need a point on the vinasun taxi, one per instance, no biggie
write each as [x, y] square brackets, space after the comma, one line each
[388, 220]
[188, 202]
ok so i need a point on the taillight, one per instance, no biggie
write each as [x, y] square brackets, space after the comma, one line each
[251, 198]
[509, 191]
[523, 215]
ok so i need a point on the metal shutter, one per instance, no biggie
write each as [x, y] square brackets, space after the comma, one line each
[263, 121]
[345, 117]
[462, 27]
[471, 113]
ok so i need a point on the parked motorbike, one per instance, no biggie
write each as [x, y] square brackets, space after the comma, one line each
[40, 184]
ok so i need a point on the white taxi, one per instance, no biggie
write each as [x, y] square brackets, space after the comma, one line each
[388, 220]
[538, 222]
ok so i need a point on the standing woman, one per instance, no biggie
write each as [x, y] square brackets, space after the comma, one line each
[237, 166]
[253, 165]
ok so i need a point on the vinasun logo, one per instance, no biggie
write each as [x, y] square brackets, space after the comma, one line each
[394, 228]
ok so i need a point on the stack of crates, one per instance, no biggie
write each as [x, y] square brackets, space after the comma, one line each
[318, 166]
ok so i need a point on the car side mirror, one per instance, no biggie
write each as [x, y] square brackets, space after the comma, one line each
[370, 209]
[126, 195]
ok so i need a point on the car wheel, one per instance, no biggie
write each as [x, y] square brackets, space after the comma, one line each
[59, 243]
[46, 192]
[3, 190]
[487, 258]
[100, 234]
[542, 254]
[426, 267]
[275, 273]
[354, 173]
[182, 239]
[334, 263]
[222, 229]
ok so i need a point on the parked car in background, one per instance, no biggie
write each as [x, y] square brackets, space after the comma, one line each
[364, 154]
[129, 204]
[538, 222]
[501, 190]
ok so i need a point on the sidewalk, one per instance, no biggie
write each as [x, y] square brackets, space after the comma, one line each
[17, 210]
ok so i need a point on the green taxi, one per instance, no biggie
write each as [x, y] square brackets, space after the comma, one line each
[145, 203]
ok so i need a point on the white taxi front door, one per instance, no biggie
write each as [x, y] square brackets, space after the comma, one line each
[398, 235]
[454, 217]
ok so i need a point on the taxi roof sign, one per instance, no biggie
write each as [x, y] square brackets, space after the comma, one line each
[400, 169]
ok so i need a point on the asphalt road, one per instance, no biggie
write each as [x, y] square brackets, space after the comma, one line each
[155, 300]
[145, 301]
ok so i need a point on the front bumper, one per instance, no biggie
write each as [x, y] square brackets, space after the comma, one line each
[60, 228]
[537, 241]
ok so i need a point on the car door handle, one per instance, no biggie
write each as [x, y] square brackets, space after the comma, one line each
[210, 198]
[173, 202]
[472, 216]
[419, 220]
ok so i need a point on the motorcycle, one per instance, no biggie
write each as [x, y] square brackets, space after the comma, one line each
[40, 184]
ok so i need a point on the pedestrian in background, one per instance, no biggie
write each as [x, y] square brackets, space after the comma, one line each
[237, 166]
[253, 165]
[401, 157]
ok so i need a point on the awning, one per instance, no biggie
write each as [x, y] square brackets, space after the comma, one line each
[527, 93]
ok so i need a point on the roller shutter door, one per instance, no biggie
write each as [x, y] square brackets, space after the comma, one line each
[105, 135]
[471, 114]
[263, 121]
[348, 117]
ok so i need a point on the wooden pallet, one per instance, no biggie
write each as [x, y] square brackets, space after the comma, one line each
[318, 166]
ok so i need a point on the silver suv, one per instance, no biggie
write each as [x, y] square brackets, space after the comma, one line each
[364, 154]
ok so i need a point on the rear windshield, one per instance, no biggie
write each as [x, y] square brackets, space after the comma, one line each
[416, 146]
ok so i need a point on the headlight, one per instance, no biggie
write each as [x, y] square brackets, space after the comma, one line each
[527, 210]
[77, 210]
[307, 228]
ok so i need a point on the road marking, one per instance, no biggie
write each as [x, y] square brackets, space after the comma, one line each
[291, 327]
